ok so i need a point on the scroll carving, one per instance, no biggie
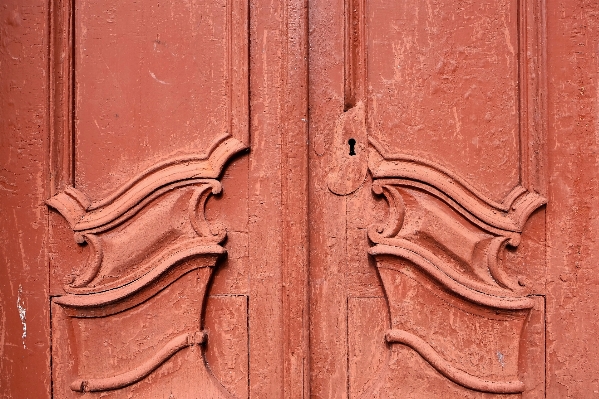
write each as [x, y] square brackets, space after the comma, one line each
[142, 239]
[440, 258]
[128, 378]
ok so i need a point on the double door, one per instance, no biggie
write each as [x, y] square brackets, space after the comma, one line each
[324, 199]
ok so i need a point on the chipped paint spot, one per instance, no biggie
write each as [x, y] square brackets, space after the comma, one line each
[22, 313]
[500, 357]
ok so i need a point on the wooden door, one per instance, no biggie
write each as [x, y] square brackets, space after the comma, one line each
[427, 230]
[293, 199]
[186, 274]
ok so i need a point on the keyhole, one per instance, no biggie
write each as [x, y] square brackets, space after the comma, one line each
[352, 144]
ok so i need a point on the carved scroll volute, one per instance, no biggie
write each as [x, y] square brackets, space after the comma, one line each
[149, 241]
[440, 258]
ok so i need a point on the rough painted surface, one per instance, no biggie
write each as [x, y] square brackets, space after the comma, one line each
[446, 74]
[441, 308]
[131, 229]
[131, 270]
[473, 342]
[572, 212]
[24, 308]
[151, 78]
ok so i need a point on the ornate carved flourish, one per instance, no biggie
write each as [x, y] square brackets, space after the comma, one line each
[444, 367]
[162, 272]
[452, 281]
[138, 373]
[82, 214]
[90, 220]
[507, 217]
[443, 235]
[144, 237]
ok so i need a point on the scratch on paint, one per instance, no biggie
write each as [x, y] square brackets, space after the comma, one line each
[22, 311]
[158, 80]
[458, 124]
[2, 187]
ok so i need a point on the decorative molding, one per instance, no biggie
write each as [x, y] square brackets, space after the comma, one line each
[449, 279]
[509, 216]
[445, 236]
[122, 380]
[91, 221]
[144, 237]
[532, 94]
[355, 53]
[82, 214]
[454, 374]
[93, 267]
[61, 87]
[163, 271]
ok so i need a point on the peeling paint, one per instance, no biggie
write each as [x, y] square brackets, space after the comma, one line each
[501, 359]
[22, 313]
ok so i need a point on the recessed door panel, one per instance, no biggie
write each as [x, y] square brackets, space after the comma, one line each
[442, 82]
[136, 160]
[424, 114]
[152, 81]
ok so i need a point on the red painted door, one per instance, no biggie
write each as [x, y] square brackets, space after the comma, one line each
[181, 280]
[293, 199]
[427, 201]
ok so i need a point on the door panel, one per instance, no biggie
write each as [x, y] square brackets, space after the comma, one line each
[446, 74]
[399, 208]
[175, 75]
[152, 176]
[227, 351]
[368, 355]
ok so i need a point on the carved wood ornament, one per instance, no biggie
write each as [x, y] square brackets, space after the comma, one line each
[439, 258]
[145, 257]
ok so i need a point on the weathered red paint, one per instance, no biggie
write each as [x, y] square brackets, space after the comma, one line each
[327, 199]
[24, 306]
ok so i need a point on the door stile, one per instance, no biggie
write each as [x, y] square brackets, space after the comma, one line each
[328, 252]
[295, 201]
[278, 203]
